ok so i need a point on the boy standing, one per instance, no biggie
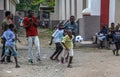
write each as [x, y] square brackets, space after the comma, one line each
[30, 24]
[9, 36]
[67, 42]
[7, 20]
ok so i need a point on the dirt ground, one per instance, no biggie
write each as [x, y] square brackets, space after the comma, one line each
[87, 62]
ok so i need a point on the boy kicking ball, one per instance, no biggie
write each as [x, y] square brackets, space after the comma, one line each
[67, 42]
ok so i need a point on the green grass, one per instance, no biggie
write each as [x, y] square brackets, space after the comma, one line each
[45, 33]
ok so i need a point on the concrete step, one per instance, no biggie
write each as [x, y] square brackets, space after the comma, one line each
[86, 44]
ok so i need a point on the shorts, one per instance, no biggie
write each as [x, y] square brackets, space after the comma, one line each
[12, 49]
[65, 52]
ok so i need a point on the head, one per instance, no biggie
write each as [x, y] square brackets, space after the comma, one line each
[72, 19]
[8, 14]
[11, 26]
[69, 32]
[30, 13]
[112, 24]
[60, 26]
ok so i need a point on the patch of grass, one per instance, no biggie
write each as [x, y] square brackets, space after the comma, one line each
[45, 37]
[45, 33]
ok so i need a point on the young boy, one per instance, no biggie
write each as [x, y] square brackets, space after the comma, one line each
[9, 36]
[67, 42]
[57, 36]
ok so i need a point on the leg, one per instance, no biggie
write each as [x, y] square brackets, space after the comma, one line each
[101, 44]
[16, 61]
[66, 58]
[95, 40]
[64, 53]
[8, 59]
[3, 51]
[117, 49]
[30, 53]
[59, 50]
[71, 53]
[37, 46]
[6, 53]
[70, 61]
[2, 59]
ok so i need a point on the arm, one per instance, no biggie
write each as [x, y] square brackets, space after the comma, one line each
[65, 46]
[63, 42]
[51, 40]
[75, 28]
[35, 21]
[53, 36]
[26, 23]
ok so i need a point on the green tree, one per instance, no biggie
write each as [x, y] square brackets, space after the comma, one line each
[34, 4]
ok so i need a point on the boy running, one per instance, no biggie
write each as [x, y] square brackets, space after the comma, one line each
[57, 36]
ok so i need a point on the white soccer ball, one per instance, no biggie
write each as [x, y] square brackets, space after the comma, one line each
[78, 38]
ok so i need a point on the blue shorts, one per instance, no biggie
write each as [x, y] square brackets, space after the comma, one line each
[9, 49]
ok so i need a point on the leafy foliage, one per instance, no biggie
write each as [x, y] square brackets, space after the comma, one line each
[34, 4]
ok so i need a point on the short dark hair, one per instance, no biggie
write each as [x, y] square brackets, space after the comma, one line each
[72, 16]
[7, 13]
[30, 11]
[11, 26]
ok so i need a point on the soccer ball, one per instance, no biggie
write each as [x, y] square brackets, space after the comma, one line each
[78, 38]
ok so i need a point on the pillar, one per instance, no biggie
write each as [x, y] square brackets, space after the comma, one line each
[104, 16]
[61, 9]
[67, 8]
[73, 7]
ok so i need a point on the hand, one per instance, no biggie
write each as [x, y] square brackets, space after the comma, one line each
[19, 41]
[50, 43]
[67, 49]
[30, 19]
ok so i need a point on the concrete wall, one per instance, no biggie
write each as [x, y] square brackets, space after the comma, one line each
[89, 25]
[13, 7]
[55, 15]
[1, 19]
[1, 4]
[117, 11]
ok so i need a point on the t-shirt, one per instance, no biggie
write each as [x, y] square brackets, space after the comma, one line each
[32, 30]
[5, 24]
[73, 27]
[68, 41]
[9, 37]
[58, 34]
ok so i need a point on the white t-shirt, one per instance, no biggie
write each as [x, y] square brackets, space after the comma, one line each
[58, 34]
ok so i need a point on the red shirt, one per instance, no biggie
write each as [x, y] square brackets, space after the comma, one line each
[32, 30]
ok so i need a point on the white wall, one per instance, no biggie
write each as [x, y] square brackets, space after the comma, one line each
[117, 11]
[79, 8]
[95, 7]
[112, 11]
[55, 15]
[61, 9]
[7, 4]
[1, 4]
[67, 8]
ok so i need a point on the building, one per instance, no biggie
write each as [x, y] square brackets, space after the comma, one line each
[7, 5]
[89, 13]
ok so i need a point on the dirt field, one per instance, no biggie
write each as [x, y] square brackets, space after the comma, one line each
[87, 62]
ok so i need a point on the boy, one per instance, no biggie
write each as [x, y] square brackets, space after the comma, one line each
[9, 36]
[67, 42]
[57, 36]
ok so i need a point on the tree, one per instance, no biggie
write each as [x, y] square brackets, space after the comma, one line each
[34, 4]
